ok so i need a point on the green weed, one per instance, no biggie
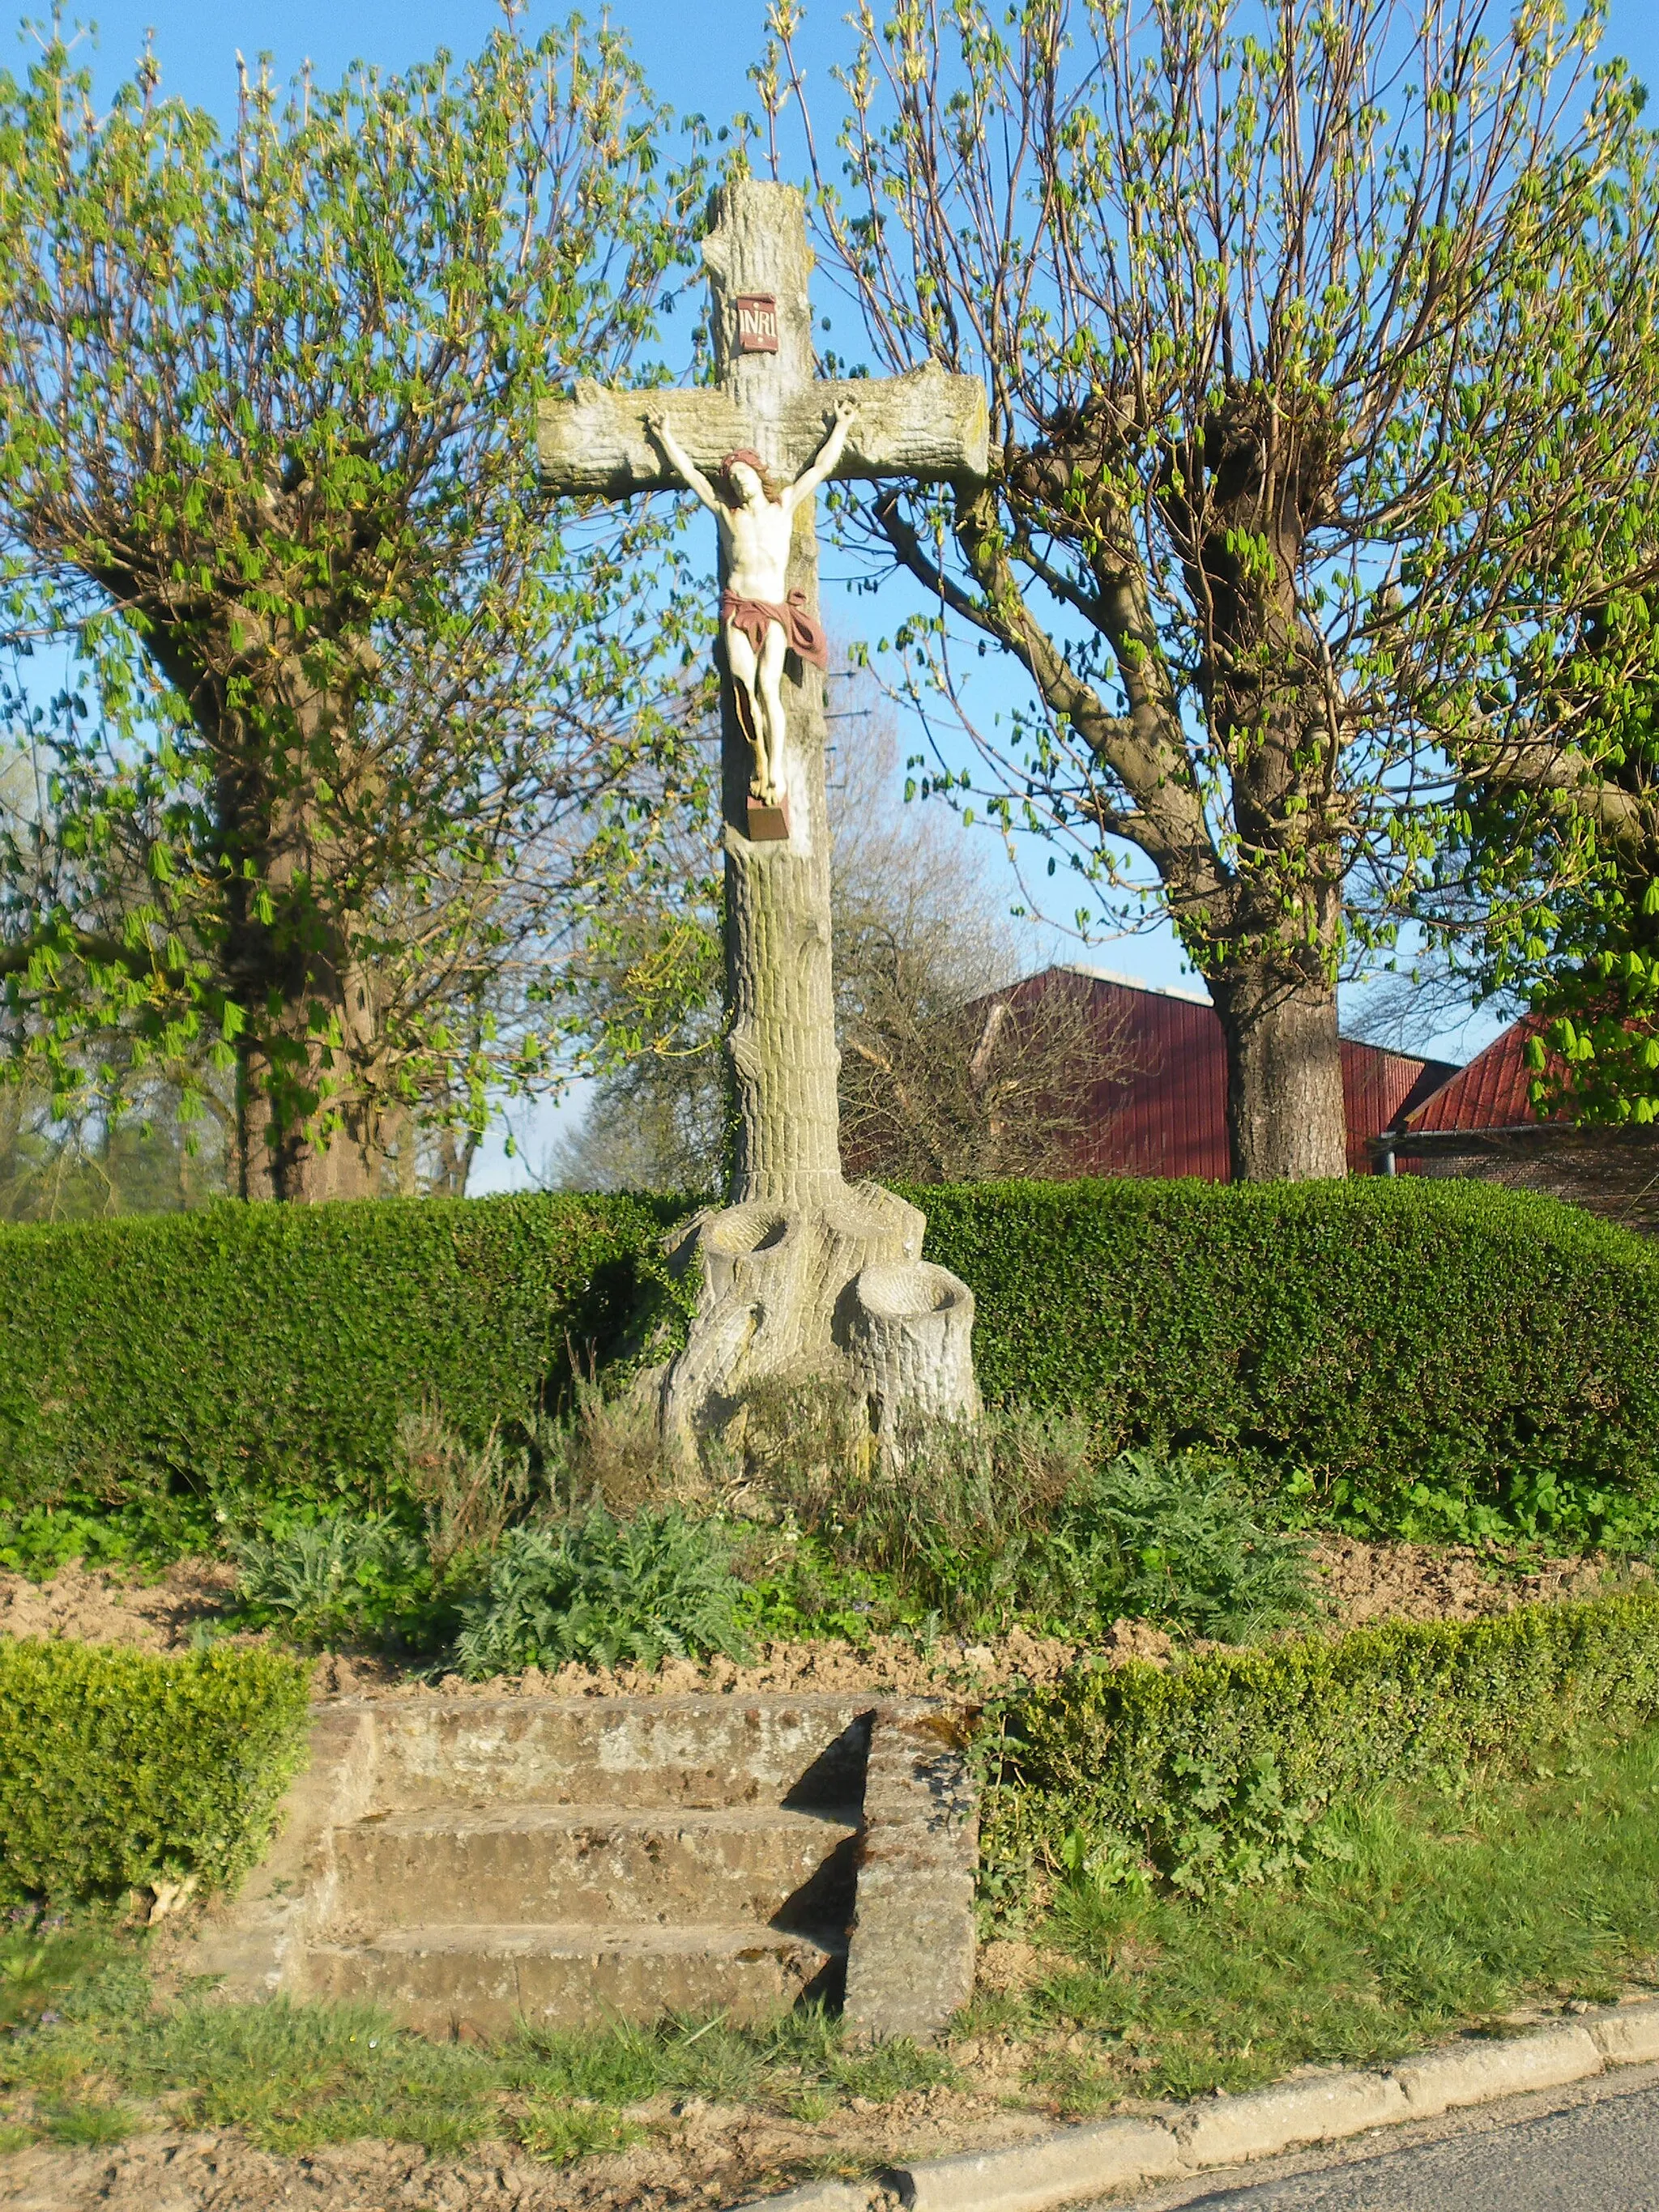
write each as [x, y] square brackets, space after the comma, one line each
[87, 2126]
[892, 2070]
[345, 1578]
[563, 2134]
[1176, 1539]
[1433, 1909]
[611, 1592]
[147, 1533]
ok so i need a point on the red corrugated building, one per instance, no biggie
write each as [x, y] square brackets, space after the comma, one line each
[1492, 1092]
[1481, 1125]
[1167, 1114]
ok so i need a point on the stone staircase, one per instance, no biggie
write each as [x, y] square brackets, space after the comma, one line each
[469, 1862]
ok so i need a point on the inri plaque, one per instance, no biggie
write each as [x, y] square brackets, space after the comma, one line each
[757, 322]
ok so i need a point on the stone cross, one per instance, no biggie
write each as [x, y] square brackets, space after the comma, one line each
[926, 426]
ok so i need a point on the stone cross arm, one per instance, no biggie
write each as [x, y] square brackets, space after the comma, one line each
[925, 424]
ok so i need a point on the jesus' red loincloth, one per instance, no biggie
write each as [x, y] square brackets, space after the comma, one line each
[754, 618]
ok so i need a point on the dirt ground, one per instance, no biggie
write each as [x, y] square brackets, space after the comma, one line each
[1358, 1581]
[103, 1606]
[697, 2155]
[1425, 1581]
[703, 2156]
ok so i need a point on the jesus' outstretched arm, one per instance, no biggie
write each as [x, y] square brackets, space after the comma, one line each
[829, 453]
[690, 474]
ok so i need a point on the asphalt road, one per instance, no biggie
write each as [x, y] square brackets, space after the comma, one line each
[1598, 2154]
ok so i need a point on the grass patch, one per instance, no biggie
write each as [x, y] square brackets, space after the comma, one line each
[41, 1955]
[1418, 1912]
[296, 2076]
[565, 2134]
[87, 2126]
[1421, 1911]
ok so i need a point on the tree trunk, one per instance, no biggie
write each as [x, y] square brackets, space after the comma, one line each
[309, 1122]
[786, 1264]
[1286, 1118]
[279, 1160]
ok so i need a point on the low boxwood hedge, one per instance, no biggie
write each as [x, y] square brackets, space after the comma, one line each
[1220, 1767]
[118, 1769]
[1435, 1359]
[271, 1349]
[1421, 1357]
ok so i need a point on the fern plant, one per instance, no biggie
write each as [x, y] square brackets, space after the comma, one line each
[1174, 1539]
[347, 1577]
[608, 1591]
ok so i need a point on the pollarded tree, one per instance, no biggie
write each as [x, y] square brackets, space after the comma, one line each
[346, 751]
[1317, 334]
[1567, 868]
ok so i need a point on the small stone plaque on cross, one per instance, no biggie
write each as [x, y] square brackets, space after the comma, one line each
[757, 323]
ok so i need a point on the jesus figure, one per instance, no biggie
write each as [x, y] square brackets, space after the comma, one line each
[759, 618]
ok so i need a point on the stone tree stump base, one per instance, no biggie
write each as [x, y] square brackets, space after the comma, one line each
[838, 1290]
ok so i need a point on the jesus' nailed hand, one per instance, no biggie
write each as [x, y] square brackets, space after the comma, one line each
[759, 618]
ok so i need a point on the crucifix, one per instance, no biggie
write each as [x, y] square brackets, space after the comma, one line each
[802, 1274]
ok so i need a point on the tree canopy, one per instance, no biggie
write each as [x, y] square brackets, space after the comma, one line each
[1319, 338]
[1567, 898]
[340, 720]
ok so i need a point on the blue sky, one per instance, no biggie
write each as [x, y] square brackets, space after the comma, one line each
[694, 52]
[696, 55]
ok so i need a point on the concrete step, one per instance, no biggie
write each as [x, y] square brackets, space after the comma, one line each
[587, 1863]
[695, 1750]
[466, 1860]
[488, 1977]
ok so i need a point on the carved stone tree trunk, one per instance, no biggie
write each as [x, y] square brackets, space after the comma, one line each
[801, 1273]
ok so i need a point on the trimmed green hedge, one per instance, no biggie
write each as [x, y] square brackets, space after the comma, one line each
[1219, 1768]
[118, 1769]
[1424, 1357]
[272, 1348]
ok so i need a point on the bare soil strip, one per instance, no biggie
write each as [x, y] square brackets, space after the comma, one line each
[1360, 1582]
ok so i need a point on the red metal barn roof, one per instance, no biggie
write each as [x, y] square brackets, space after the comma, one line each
[1492, 1092]
[1168, 1116]
[1379, 1089]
